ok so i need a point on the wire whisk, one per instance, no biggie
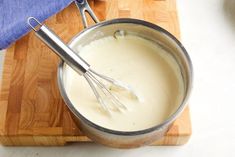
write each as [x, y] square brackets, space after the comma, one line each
[104, 95]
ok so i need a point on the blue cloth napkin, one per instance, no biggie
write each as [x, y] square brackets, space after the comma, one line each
[14, 14]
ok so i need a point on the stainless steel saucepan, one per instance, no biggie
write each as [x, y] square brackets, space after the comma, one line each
[149, 31]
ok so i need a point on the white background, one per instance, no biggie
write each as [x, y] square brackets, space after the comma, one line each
[208, 33]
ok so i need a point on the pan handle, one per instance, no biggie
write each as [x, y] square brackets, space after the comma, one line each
[83, 7]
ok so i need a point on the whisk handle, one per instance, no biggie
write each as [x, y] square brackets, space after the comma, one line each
[58, 46]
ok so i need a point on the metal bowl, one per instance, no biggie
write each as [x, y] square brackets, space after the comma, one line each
[149, 31]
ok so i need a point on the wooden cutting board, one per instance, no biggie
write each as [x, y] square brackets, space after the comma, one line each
[32, 111]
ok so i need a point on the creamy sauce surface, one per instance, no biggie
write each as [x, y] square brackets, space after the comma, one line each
[151, 71]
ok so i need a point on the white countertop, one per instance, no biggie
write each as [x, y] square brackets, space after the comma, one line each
[208, 33]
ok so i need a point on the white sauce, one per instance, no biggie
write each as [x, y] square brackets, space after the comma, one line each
[145, 66]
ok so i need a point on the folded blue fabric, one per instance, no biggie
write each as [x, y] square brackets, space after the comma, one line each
[14, 14]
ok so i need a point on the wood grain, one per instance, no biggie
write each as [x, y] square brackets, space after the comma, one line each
[32, 111]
